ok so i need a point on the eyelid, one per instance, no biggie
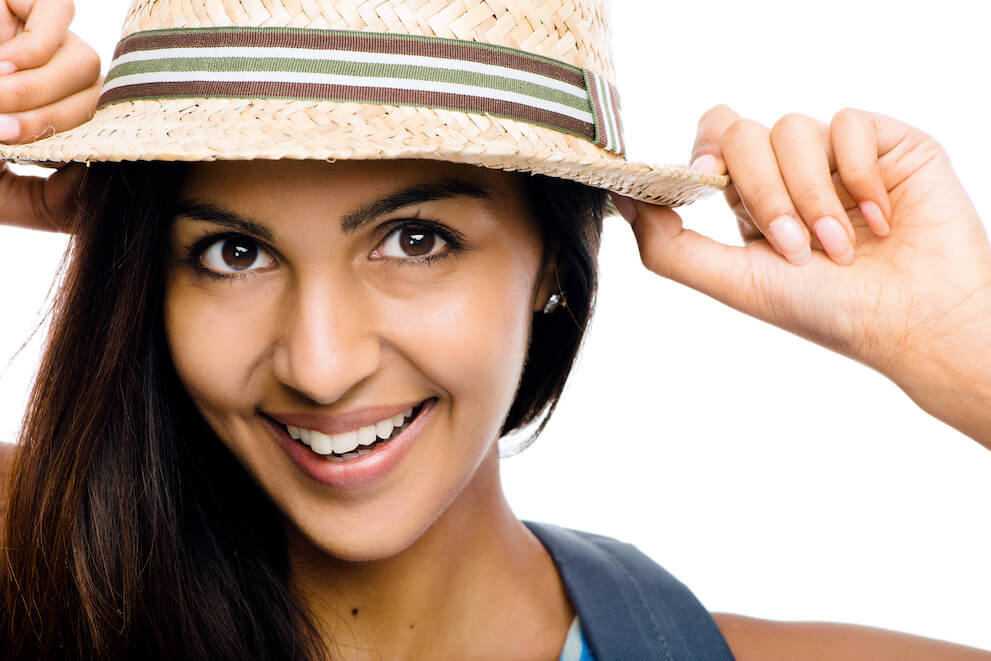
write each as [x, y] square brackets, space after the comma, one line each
[455, 241]
[194, 252]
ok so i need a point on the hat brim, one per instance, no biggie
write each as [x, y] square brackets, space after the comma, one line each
[248, 129]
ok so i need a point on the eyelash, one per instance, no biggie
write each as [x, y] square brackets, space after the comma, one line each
[194, 251]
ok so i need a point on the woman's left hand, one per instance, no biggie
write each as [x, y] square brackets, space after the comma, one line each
[887, 259]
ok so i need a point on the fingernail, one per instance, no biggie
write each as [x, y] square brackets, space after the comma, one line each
[834, 239]
[7, 67]
[10, 128]
[875, 218]
[791, 240]
[705, 164]
[626, 207]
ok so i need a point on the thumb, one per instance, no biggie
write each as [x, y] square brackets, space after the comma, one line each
[669, 250]
[39, 203]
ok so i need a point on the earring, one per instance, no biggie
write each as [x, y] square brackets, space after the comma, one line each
[558, 300]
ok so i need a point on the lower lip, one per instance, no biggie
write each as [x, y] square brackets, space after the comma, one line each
[356, 473]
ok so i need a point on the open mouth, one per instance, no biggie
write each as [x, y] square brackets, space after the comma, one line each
[357, 443]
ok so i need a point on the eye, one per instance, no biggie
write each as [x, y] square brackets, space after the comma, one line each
[411, 242]
[236, 254]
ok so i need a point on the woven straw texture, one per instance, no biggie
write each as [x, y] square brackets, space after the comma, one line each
[573, 31]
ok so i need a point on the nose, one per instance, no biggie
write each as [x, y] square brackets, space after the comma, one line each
[327, 342]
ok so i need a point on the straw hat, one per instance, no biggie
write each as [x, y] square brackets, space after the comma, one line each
[523, 85]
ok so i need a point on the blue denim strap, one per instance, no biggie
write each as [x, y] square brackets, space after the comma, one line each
[630, 607]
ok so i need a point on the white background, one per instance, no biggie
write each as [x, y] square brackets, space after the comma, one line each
[774, 478]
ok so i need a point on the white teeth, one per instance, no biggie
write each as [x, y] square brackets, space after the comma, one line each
[321, 443]
[384, 429]
[344, 443]
[367, 435]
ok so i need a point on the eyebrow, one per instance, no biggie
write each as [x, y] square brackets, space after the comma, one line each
[213, 214]
[442, 189]
[438, 190]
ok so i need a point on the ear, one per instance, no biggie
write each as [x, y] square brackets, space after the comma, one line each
[551, 279]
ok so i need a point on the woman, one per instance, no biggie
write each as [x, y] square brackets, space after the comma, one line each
[252, 303]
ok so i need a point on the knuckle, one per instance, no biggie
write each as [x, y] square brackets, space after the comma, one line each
[17, 94]
[933, 149]
[649, 258]
[848, 116]
[89, 63]
[34, 51]
[715, 111]
[766, 202]
[858, 174]
[814, 198]
[742, 130]
[791, 123]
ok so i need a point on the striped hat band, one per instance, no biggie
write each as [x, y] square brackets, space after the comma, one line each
[366, 67]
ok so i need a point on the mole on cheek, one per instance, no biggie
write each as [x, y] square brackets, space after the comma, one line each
[354, 612]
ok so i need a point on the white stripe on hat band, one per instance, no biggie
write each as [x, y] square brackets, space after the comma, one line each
[606, 112]
[349, 56]
[610, 117]
[351, 81]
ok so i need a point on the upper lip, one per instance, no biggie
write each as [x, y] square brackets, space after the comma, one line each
[341, 422]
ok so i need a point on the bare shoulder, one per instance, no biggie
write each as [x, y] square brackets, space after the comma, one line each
[752, 639]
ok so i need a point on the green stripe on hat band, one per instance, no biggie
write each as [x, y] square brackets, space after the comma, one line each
[364, 67]
[334, 69]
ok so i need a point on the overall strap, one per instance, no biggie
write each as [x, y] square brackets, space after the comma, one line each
[630, 607]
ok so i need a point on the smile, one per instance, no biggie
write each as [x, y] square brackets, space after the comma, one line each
[350, 445]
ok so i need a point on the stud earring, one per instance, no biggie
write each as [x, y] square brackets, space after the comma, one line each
[558, 300]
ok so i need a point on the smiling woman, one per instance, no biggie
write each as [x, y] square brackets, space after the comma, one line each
[338, 308]
[355, 250]
[268, 318]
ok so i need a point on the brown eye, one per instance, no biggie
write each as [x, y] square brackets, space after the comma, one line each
[236, 254]
[411, 242]
[416, 242]
[239, 255]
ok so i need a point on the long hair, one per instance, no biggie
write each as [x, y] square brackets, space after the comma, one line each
[131, 530]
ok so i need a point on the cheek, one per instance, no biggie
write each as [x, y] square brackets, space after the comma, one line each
[214, 344]
[469, 336]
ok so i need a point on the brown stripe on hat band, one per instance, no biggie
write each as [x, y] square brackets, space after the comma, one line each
[364, 67]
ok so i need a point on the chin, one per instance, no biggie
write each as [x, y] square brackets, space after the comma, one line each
[359, 540]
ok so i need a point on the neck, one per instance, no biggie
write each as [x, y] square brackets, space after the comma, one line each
[476, 580]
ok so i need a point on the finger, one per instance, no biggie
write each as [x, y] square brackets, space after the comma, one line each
[39, 203]
[854, 140]
[60, 116]
[746, 146]
[682, 255]
[802, 149]
[45, 25]
[722, 272]
[748, 231]
[74, 67]
[707, 156]
[10, 25]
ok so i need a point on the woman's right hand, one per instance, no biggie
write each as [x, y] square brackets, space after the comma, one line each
[49, 82]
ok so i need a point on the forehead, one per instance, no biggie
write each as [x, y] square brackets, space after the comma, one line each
[343, 183]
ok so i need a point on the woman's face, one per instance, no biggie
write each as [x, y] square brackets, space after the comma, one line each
[327, 300]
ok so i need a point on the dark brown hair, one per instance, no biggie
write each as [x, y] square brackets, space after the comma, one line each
[131, 531]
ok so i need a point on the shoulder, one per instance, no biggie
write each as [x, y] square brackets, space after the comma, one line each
[753, 639]
[630, 607]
